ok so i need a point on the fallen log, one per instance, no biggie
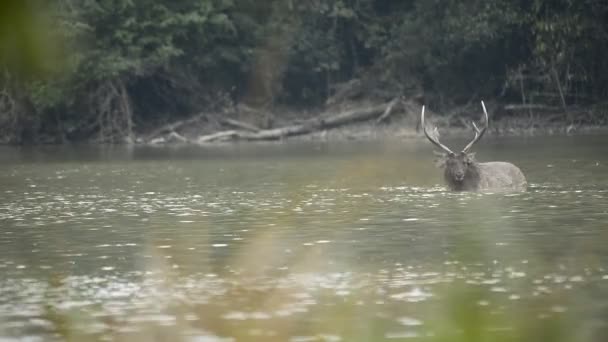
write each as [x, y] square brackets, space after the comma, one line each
[308, 126]
[218, 136]
[353, 115]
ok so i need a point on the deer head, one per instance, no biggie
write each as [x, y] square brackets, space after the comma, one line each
[462, 165]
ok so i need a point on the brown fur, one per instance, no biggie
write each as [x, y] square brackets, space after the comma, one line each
[463, 173]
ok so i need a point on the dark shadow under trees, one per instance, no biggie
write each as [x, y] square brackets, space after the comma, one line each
[129, 68]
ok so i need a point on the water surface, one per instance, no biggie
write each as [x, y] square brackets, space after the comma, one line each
[299, 242]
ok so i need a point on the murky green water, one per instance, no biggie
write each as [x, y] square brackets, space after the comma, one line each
[301, 242]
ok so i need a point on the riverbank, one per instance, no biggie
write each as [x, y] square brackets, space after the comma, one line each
[372, 121]
[367, 131]
[362, 120]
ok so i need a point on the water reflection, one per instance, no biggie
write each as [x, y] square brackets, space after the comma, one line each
[337, 245]
[400, 297]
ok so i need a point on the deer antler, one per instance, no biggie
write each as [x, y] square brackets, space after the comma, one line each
[432, 139]
[478, 133]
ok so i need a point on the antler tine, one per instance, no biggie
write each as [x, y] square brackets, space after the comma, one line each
[431, 139]
[478, 133]
[475, 127]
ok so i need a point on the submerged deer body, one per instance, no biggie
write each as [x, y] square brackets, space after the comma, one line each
[463, 173]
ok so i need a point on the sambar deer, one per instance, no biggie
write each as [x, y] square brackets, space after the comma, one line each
[463, 173]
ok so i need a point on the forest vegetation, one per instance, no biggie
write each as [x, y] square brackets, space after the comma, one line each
[111, 71]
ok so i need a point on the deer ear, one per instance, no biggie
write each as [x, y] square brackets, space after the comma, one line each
[440, 162]
[471, 156]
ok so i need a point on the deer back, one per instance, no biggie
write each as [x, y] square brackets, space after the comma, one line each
[501, 176]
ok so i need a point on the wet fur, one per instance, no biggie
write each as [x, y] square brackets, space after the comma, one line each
[490, 176]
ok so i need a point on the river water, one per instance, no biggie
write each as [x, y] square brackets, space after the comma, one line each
[355, 241]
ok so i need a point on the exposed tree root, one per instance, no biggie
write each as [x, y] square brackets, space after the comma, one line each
[112, 111]
[19, 122]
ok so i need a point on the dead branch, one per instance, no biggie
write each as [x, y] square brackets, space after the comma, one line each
[347, 90]
[176, 137]
[239, 124]
[125, 105]
[517, 107]
[172, 127]
[156, 136]
[219, 136]
[308, 126]
[388, 111]
[559, 87]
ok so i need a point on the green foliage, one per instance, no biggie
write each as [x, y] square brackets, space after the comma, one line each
[570, 38]
[454, 46]
[174, 57]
